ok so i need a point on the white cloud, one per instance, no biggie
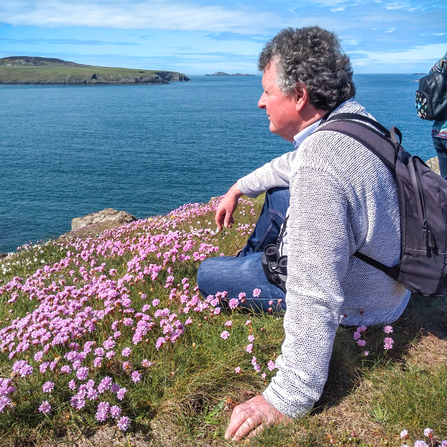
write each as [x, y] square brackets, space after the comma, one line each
[419, 54]
[391, 30]
[154, 14]
[350, 42]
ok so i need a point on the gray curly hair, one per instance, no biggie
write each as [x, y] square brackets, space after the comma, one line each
[311, 56]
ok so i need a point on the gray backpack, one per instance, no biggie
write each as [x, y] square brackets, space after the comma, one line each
[422, 203]
[423, 211]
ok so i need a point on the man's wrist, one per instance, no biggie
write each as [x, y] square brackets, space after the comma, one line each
[235, 191]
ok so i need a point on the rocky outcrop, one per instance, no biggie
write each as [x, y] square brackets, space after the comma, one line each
[172, 76]
[94, 224]
[109, 216]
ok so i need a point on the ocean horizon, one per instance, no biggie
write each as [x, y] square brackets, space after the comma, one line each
[68, 151]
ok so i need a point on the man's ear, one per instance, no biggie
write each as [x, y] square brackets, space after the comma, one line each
[302, 96]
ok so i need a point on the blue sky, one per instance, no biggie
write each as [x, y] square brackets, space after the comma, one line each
[203, 36]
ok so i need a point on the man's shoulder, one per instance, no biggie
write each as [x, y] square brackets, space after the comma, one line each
[350, 106]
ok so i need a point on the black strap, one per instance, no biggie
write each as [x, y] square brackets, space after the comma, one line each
[378, 143]
[378, 140]
[357, 117]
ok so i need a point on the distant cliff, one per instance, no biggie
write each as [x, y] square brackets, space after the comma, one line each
[41, 70]
[221, 73]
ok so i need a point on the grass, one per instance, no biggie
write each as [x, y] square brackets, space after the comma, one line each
[59, 297]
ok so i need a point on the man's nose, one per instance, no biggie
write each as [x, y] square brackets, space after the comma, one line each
[261, 102]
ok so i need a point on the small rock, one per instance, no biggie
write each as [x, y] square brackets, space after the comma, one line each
[433, 164]
[108, 215]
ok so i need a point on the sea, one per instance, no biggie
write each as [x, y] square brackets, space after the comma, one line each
[67, 151]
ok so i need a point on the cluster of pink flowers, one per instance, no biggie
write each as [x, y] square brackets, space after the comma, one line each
[359, 336]
[80, 296]
[429, 435]
[233, 304]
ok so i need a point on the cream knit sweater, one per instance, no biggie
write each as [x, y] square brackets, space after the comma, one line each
[343, 199]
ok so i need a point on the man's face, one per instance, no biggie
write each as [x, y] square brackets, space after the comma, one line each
[281, 109]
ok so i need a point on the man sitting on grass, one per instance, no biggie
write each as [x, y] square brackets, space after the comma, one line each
[339, 198]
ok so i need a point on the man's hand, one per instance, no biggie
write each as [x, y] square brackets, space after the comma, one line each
[252, 417]
[226, 208]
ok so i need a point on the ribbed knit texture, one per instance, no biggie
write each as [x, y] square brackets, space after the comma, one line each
[343, 199]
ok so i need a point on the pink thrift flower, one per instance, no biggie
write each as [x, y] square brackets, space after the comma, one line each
[237, 370]
[388, 343]
[102, 413]
[242, 295]
[82, 373]
[251, 338]
[120, 393]
[233, 303]
[271, 365]
[123, 423]
[420, 444]
[160, 342]
[361, 343]
[136, 377]
[388, 329]
[97, 362]
[146, 363]
[249, 348]
[115, 411]
[361, 329]
[66, 369]
[228, 323]
[366, 353]
[256, 292]
[155, 302]
[126, 352]
[428, 432]
[357, 335]
[224, 335]
[48, 387]
[404, 434]
[126, 366]
[247, 323]
[263, 375]
[444, 444]
[45, 407]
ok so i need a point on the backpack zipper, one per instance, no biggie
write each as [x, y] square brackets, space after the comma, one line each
[427, 236]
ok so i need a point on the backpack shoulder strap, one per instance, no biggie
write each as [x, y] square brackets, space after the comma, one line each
[383, 143]
[370, 133]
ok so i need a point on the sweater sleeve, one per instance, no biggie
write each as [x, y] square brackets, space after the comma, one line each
[272, 175]
[318, 257]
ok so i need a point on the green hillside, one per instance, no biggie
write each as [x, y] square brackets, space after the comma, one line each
[37, 70]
